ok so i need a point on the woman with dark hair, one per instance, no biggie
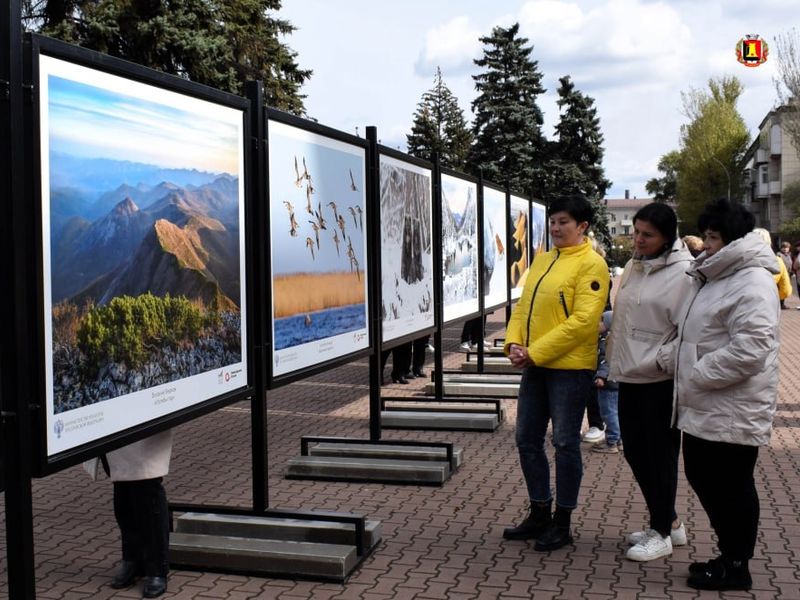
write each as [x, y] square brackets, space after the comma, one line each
[552, 337]
[647, 309]
[727, 385]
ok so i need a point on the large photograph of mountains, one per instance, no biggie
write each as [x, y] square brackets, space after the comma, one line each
[406, 248]
[459, 247]
[318, 224]
[518, 259]
[495, 257]
[142, 212]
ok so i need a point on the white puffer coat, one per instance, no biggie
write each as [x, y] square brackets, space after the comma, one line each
[146, 459]
[649, 305]
[727, 363]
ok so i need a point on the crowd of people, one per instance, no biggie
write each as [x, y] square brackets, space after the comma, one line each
[688, 356]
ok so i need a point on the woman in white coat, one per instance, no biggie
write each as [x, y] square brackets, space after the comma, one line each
[726, 385]
[142, 513]
[647, 310]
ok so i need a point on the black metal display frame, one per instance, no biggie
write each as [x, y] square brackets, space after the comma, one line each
[276, 381]
[36, 46]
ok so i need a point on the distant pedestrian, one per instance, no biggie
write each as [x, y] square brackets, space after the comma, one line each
[694, 244]
[607, 392]
[782, 279]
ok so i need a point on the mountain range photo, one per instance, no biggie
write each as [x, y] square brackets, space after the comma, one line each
[167, 238]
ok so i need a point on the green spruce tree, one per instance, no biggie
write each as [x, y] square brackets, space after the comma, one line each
[664, 188]
[220, 43]
[509, 145]
[575, 163]
[439, 126]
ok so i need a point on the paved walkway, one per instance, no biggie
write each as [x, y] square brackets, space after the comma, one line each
[438, 543]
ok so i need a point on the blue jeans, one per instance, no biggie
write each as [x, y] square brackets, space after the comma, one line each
[608, 401]
[558, 395]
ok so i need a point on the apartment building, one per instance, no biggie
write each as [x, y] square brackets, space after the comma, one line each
[621, 211]
[771, 163]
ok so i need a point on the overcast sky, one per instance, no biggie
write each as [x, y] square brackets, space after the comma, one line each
[373, 60]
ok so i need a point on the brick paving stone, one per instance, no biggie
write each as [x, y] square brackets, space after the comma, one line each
[443, 542]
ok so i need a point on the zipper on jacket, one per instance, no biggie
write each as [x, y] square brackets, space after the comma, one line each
[533, 297]
[563, 303]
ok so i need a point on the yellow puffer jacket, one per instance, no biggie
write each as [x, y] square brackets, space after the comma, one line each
[558, 315]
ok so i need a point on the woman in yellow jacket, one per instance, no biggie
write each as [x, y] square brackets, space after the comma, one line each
[552, 337]
[782, 279]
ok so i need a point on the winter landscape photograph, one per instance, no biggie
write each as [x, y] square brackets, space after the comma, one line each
[318, 225]
[142, 207]
[538, 229]
[459, 247]
[495, 258]
[406, 249]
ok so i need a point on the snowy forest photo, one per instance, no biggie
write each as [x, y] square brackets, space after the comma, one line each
[495, 258]
[459, 247]
[406, 249]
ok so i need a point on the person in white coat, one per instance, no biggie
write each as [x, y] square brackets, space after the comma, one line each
[726, 385]
[647, 309]
[142, 513]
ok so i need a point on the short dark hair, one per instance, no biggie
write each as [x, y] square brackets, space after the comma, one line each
[732, 221]
[575, 205]
[660, 216]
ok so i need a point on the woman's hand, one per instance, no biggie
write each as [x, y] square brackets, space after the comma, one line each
[519, 357]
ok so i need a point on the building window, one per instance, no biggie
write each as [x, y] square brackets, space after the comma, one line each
[764, 174]
[625, 217]
[625, 230]
[613, 231]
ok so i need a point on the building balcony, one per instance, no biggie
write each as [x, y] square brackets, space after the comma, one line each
[761, 156]
[775, 188]
[775, 137]
[762, 190]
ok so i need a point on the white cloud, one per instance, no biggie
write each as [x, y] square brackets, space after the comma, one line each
[451, 46]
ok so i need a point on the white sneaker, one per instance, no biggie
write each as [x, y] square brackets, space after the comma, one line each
[464, 347]
[487, 345]
[594, 435]
[651, 547]
[430, 349]
[677, 536]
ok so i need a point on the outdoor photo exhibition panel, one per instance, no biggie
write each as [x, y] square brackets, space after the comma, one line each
[495, 257]
[459, 247]
[141, 192]
[518, 242]
[406, 235]
[538, 229]
[318, 247]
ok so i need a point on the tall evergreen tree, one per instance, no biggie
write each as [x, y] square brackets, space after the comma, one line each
[221, 43]
[575, 162]
[439, 126]
[509, 144]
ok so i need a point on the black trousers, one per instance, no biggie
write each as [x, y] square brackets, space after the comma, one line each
[652, 447]
[142, 514]
[721, 474]
[593, 415]
[401, 359]
[419, 347]
[473, 330]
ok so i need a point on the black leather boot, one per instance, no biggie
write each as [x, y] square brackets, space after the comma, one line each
[534, 524]
[154, 587]
[126, 575]
[557, 534]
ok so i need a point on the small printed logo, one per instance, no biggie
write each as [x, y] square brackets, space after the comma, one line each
[58, 428]
[751, 50]
[219, 377]
[227, 376]
[357, 337]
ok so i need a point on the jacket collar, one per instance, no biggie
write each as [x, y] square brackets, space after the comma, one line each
[583, 248]
[749, 251]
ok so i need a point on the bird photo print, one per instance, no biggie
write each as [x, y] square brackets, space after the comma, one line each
[318, 248]
[519, 261]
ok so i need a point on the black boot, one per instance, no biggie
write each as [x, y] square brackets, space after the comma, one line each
[154, 587]
[722, 575]
[126, 575]
[557, 534]
[534, 524]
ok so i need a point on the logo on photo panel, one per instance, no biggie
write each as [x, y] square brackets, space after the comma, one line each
[58, 428]
[751, 50]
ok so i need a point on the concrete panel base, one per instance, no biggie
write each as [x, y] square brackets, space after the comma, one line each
[346, 468]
